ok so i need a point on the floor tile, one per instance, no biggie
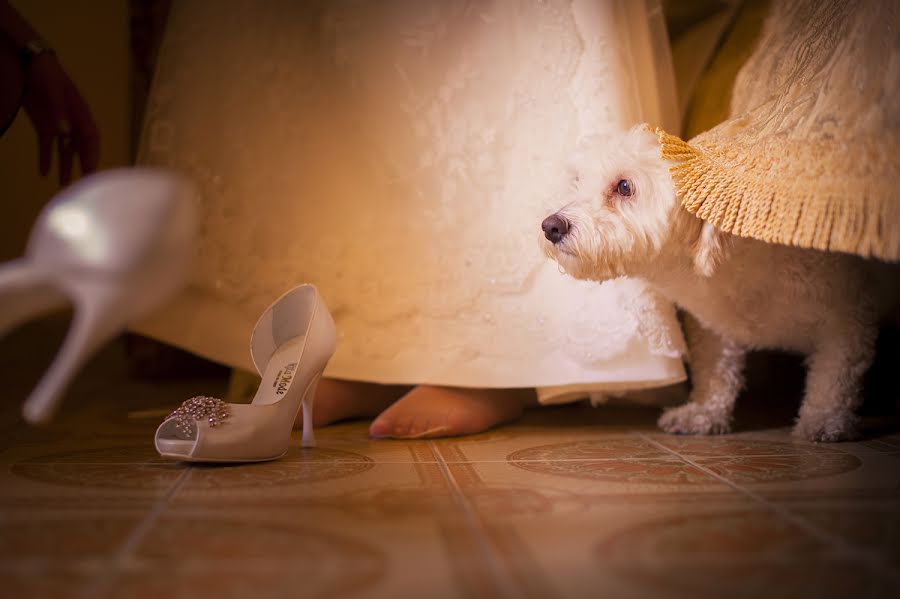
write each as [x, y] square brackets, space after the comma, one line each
[353, 438]
[569, 501]
[549, 446]
[351, 488]
[44, 578]
[59, 552]
[869, 524]
[303, 550]
[684, 549]
[95, 486]
[709, 550]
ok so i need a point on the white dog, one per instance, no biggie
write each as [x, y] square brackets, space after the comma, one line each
[740, 294]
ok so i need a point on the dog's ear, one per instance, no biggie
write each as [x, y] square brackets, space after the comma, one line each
[710, 249]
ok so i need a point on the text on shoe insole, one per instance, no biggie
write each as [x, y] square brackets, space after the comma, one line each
[283, 379]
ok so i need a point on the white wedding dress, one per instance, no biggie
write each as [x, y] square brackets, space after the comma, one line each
[401, 156]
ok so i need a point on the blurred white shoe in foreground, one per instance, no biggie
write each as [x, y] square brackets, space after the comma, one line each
[117, 245]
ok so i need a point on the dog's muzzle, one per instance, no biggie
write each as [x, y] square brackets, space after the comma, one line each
[555, 228]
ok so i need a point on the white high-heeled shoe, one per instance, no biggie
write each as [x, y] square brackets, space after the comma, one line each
[290, 346]
[117, 245]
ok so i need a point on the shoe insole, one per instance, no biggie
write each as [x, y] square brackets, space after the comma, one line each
[279, 374]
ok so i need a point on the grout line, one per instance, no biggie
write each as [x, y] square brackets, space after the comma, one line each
[502, 578]
[102, 586]
[873, 558]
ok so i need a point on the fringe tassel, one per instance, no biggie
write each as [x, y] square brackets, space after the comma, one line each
[865, 223]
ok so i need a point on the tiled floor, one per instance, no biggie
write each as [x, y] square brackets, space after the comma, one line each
[570, 502]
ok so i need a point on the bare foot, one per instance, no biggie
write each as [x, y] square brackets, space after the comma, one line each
[427, 412]
[338, 399]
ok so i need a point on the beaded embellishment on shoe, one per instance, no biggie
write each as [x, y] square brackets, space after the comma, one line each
[213, 411]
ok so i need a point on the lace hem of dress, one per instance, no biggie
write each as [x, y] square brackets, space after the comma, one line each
[638, 345]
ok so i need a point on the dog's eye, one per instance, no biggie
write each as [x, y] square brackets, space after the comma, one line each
[625, 188]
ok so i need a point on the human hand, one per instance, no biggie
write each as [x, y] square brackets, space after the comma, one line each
[60, 116]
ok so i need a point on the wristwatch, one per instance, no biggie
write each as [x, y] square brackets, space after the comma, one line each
[32, 49]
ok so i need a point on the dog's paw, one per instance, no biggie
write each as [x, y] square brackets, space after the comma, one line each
[827, 428]
[694, 419]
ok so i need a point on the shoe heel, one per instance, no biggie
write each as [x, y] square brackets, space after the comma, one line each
[306, 404]
[95, 322]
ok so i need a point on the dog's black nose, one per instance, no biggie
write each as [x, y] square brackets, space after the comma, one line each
[555, 227]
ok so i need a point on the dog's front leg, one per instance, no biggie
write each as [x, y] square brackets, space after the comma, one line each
[834, 385]
[717, 374]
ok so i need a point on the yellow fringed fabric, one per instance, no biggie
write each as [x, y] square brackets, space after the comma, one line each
[810, 155]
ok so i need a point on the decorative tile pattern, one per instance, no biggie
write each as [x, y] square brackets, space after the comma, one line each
[743, 553]
[595, 449]
[766, 469]
[739, 446]
[206, 555]
[101, 476]
[656, 471]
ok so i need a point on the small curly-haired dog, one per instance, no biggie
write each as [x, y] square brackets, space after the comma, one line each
[623, 219]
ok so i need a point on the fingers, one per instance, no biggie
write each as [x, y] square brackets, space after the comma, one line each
[58, 126]
[61, 119]
[76, 133]
[87, 140]
[65, 145]
[50, 125]
[68, 140]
